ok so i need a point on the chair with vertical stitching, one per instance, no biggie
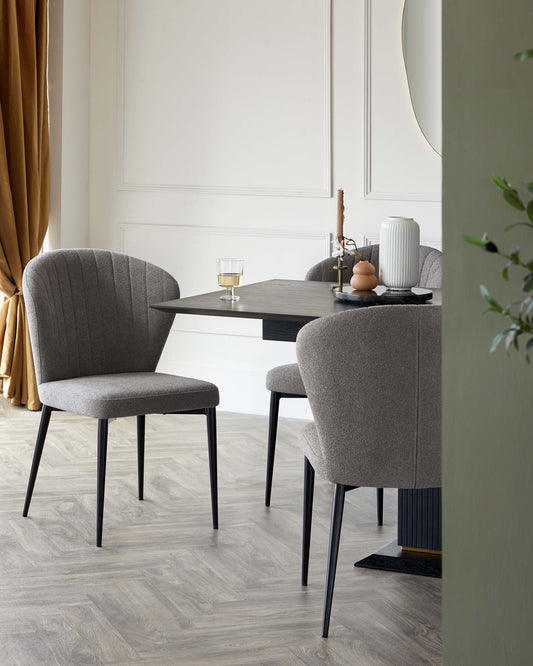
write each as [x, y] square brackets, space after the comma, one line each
[96, 344]
[372, 376]
[284, 381]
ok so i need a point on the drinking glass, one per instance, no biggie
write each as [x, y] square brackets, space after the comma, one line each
[229, 276]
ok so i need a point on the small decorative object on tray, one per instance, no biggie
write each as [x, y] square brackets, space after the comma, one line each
[364, 278]
[341, 244]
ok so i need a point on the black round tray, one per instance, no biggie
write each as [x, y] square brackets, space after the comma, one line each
[383, 296]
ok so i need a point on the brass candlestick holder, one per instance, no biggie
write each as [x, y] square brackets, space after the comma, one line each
[342, 246]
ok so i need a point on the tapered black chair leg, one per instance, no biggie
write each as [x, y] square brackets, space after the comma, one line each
[141, 420]
[212, 448]
[100, 473]
[309, 485]
[272, 432]
[39, 444]
[380, 505]
[334, 539]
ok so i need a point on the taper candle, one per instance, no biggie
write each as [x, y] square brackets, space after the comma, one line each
[340, 213]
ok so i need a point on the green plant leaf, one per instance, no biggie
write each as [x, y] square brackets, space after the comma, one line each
[528, 348]
[500, 182]
[497, 340]
[529, 210]
[519, 224]
[491, 301]
[511, 339]
[526, 303]
[474, 241]
[512, 198]
[505, 273]
[528, 280]
[524, 55]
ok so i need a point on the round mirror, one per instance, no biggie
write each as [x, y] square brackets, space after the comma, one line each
[422, 54]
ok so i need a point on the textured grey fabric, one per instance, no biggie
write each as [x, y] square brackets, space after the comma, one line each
[89, 314]
[429, 266]
[372, 376]
[95, 340]
[285, 379]
[128, 394]
[324, 271]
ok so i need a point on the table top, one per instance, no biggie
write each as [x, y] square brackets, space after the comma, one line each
[282, 300]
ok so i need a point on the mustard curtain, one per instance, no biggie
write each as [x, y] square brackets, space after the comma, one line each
[24, 182]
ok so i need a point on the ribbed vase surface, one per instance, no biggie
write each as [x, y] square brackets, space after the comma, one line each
[399, 247]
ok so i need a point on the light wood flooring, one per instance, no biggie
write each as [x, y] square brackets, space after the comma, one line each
[166, 589]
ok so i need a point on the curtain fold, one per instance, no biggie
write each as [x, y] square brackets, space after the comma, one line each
[24, 181]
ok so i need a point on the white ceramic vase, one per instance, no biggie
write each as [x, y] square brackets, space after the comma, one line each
[399, 248]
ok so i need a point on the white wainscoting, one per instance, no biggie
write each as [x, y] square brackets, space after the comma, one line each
[198, 104]
[216, 97]
[399, 163]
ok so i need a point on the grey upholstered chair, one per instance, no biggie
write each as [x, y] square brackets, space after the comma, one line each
[372, 376]
[284, 381]
[96, 344]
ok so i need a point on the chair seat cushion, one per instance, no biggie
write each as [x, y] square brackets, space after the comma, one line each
[128, 394]
[285, 379]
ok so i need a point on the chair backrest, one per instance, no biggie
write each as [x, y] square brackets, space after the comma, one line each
[88, 313]
[430, 266]
[372, 376]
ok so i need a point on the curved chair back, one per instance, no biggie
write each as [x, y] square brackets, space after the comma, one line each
[372, 376]
[88, 313]
[430, 267]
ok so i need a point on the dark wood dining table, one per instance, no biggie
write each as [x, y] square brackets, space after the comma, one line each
[285, 306]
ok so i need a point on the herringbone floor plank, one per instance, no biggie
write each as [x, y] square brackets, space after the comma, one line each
[166, 588]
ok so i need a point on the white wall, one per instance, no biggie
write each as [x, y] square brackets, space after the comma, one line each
[69, 78]
[223, 127]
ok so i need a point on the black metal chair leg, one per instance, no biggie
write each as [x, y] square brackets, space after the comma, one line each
[380, 505]
[210, 413]
[100, 484]
[272, 432]
[39, 444]
[309, 485]
[334, 539]
[141, 420]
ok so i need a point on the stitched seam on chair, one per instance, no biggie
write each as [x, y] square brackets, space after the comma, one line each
[147, 313]
[50, 299]
[75, 319]
[100, 307]
[114, 290]
[132, 301]
[59, 283]
[86, 310]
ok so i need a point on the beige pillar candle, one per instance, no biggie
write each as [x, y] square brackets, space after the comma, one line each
[340, 213]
